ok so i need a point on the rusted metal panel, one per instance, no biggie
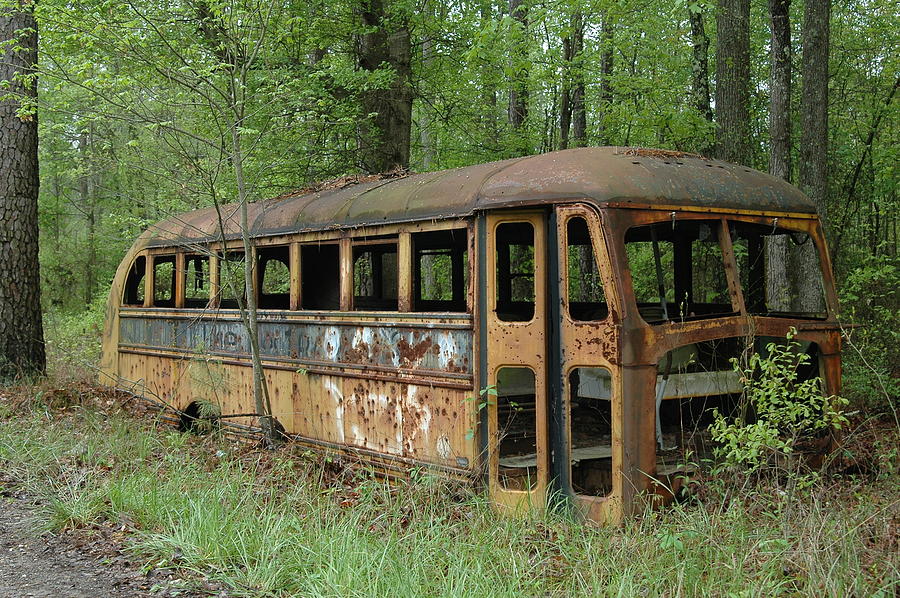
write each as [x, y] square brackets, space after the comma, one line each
[585, 343]
[437, 350]
[437, 426]
[598, 175]
[518, 344]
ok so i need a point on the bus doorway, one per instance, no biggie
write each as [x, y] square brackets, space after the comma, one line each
[514, 342]
[551, 345]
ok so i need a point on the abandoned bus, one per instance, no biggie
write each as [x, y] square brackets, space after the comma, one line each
[555, 325]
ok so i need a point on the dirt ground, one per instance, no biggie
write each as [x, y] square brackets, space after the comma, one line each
[82, 564]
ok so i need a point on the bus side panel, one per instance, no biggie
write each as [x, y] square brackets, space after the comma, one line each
[132, 371]
[318, 404]
[280, 385]
[437, 426]
[109, 348]
[373, 415]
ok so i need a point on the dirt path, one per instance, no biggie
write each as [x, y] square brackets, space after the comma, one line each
[35, 565]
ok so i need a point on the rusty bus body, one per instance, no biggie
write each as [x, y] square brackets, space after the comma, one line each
[545, 364]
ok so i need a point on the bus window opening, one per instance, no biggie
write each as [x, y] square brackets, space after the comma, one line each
[590, 430]
[587, 300]
[320, 282]
[375, 277]
[134, 284]
[164, 281]
[196, 288]
[515, 271]
[441, 270]
[677, 271]
[274, 277]
[516, 428]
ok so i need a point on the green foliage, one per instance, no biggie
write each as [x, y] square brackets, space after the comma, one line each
[72, 339]
[269, 525]
[779, 408]
[871, 296]
[486, 396]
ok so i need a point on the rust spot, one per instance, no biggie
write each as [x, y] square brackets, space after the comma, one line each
[410, 354]
[358, 353]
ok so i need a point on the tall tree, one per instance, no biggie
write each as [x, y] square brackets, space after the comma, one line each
[780, 89]
[733, 81]
[518, 91]
[384, 44]
[813, 171]
[606, 72]
[700, 67]
[779, 255]
[572, 95]
[21, 330]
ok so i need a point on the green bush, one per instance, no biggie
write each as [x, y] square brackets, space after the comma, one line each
[778, 409]
[870, 297]
[73, 339]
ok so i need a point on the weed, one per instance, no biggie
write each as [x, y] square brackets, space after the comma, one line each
[277, 525]
[784, 409]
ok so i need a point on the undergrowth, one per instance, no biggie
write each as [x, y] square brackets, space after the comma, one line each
[292, 523]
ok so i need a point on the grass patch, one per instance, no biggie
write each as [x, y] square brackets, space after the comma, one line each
[284, 523]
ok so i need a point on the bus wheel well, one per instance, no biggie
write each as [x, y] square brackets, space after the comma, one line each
[199, 417]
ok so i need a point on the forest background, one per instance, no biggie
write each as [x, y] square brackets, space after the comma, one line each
[148, 109]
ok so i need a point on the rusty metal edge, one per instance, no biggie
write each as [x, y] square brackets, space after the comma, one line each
[404, 376]
[399, 465]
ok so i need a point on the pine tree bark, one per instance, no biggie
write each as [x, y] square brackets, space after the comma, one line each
[733, 81]
[21, 329]
[781, 259]
[384, 139]
[813, 167]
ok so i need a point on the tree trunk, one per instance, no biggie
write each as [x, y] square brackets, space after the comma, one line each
[572, 96]
[814, 103]
[384, 138]
[518, 91]
[579, 112]
[781, 258]
[87, 189]
[780, 89]
[565, 100]
[733, 81]
[606, 71]
[426, 138]
[21, 329]
[490, 116]
[700, 69]
[813, 171]
[249, 314]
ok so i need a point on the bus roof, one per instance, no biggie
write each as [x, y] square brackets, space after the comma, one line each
[600, 175]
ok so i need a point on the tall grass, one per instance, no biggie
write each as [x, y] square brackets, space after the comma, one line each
[277, 525]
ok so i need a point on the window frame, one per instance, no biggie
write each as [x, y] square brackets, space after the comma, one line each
[259, 253]
[140, 284]
[160, 258]
[461, 267]
[386, 241]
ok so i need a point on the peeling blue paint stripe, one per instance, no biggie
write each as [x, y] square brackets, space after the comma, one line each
[413, 348]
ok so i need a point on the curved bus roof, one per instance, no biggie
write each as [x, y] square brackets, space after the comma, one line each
[601, 175]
